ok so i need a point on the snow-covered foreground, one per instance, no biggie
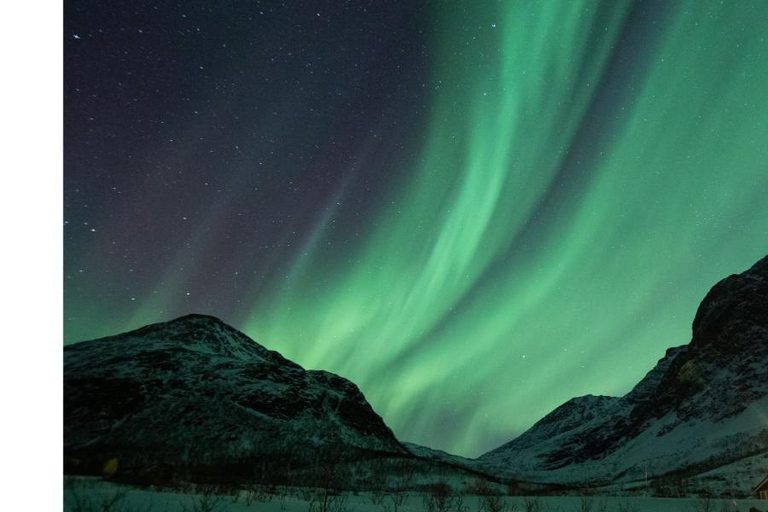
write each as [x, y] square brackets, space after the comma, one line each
[98, 496]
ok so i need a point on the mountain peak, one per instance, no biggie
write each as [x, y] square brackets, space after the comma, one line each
[159, 393]
[701, 407]
[201, 333]
[197, 318]
[735, 304]
[189, 321]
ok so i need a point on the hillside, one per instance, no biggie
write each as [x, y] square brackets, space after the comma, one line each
[702, 410]
[196, 392]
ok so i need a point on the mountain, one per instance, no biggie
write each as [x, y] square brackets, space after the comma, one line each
[195, 392]
[425, 452]
[196, 397]
[702, 411]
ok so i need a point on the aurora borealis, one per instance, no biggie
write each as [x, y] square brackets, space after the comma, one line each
[473, 210]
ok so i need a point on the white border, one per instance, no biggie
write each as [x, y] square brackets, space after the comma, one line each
[31, 257]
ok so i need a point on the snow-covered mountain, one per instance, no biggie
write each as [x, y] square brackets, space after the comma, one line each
[196, 391]
[701, 410]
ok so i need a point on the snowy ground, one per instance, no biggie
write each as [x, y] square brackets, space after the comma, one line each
[98, 496]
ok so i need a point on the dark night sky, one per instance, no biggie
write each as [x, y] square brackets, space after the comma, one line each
[230, 129]
[473, 210]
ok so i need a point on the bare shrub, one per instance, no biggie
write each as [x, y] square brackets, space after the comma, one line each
[704, 504]
[327, 500]
[259, 493]
[585, 505]
[394, 501]
[207, 499]
[441, 498]
[282, 501]
[234, 495]
[327, 496]
[377, 496]
[491, 503]
[458, 503]
[532, 505]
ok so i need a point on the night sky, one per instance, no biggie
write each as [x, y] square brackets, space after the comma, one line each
[473, 210]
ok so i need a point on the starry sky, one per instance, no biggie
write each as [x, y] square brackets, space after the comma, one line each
[475, 210]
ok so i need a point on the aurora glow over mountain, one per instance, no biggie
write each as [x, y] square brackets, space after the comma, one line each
[473, 210]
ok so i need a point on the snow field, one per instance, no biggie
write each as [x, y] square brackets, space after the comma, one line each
[90, 495]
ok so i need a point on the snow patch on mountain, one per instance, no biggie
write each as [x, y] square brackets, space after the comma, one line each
[702, 409]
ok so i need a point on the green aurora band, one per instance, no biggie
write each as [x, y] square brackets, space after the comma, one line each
[461, 328]
[583, 181]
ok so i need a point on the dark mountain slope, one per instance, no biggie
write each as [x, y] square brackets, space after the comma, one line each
[195, 391]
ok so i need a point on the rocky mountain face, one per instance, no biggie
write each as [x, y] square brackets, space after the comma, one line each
[195, 391]
[703, 410]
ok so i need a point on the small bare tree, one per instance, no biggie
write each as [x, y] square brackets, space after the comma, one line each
[491, 503]
[377, 496]
[441, 498]
[260, 494]
[585, 505]
[327, 500]
[394, 501]
[327, 496]
[207, 499]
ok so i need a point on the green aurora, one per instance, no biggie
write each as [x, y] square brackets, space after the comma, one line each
[587, 171]
[452, 318]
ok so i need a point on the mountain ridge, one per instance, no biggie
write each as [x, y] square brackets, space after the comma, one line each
[194, 390]
[698, 408]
